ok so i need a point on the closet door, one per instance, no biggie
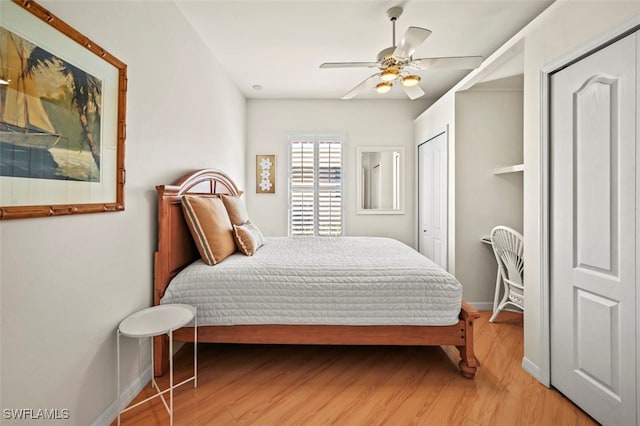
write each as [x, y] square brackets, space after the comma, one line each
[432, 199]
[593, 232]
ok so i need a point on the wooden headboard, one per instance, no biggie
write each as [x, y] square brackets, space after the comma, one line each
[176, 248]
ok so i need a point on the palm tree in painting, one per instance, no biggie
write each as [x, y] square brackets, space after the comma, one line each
[85, 88]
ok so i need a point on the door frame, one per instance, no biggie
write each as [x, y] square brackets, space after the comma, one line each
[543, 371]
[449, 232]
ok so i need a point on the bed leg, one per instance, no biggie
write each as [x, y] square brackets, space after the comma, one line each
[160, 355]
[468, 363]
[466, 369]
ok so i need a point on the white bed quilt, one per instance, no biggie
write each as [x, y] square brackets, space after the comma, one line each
[315, 280]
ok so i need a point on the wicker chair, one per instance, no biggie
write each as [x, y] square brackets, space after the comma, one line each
[508, 248]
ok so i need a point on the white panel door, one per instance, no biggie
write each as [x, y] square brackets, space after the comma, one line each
[432, 199]
[593, 233]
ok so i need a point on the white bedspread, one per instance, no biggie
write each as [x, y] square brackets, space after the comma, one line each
[344, 281]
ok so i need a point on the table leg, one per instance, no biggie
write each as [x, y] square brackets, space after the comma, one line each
[154, 385]
[118, 373]
[195, 350]
[171, 377]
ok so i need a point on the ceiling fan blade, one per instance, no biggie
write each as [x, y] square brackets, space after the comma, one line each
[413, 38]
[367, 83]
[349, 65]
[414, 92]
[460, 62]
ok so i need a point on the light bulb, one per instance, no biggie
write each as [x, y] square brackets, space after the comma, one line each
[383, 87]
[389, 74]
[410, 80]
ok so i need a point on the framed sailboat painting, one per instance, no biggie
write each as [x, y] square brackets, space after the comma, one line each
[62, 118]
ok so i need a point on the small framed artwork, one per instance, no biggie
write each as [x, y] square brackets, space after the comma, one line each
[62, 118]
[265, 174]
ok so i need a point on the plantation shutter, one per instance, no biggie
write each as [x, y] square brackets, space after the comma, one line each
[329, 188]
[315, 187]
[302, 188]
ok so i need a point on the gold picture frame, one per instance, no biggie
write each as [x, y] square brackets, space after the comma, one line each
[265, 174]
[63, 118]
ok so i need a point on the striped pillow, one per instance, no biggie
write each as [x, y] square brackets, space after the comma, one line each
[210, 227]
[248, 238]
[236, 209]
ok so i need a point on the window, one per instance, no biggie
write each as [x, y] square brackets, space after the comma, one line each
[315, 185]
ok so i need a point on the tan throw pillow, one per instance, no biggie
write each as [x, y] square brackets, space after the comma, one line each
[248, 238]
[236, 209]
[210, 227]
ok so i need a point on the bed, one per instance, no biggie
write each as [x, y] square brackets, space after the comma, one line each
[289, 312]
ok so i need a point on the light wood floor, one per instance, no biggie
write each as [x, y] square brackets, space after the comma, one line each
[317, 385]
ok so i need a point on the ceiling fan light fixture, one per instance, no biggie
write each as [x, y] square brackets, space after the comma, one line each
[383, 87]
[410, 80]
[389, 74]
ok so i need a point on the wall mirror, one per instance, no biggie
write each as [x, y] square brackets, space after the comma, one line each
[380, 180]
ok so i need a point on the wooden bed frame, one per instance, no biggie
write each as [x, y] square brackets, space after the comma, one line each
[176, 250]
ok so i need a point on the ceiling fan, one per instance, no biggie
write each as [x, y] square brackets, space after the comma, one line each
[396, 63]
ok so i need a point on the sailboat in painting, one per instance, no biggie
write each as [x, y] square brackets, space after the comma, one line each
[23, 119]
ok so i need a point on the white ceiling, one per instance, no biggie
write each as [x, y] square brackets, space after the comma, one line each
[279, 45]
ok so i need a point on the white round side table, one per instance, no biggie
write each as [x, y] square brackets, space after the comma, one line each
[156, 321]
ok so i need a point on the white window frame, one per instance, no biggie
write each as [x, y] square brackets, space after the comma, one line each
[315, 138]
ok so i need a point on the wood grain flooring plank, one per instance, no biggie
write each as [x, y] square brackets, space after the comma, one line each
[362, 385]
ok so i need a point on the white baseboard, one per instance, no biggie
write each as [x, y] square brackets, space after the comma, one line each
[533, 369]
[127, 395]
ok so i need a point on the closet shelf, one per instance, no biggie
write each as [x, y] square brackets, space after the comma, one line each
[508, 169]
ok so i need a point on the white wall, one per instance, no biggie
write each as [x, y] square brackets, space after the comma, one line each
[488, 134]
[569, 26]
[440, 117]
[66, 282]
[484, 131]
[365, 123]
